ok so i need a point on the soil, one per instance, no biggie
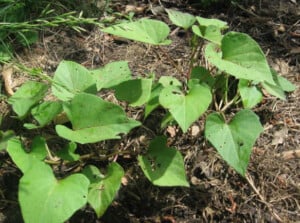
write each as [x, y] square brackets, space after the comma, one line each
[271, 190]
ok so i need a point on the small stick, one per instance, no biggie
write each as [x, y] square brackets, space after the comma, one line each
[291, 154]
[262, 199]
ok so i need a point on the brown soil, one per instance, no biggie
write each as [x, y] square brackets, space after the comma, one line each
[271, 190]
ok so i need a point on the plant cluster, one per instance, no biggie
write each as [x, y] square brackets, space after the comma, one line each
[235, 78]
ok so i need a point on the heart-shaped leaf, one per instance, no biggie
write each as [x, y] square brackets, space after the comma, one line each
[184, 20]
[144, 30]
[24, 159]
[28, 95]
[234, 141]
[163, 166]
[186, 108]
[71, 78]
[103, 188]
[45, 199]
[112, 74]
[94, 119]
[137, 92]
[241, 57]
[250, 94]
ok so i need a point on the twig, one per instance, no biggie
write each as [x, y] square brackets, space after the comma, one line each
[291, 154]
[262, 199]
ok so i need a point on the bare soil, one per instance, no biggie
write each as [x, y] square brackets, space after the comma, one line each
[271, 190]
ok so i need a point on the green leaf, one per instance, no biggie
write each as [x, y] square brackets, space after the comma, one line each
[44, 113]
[250, 94]
[153, 101]
[5, 137]
[68, 152]
[184, 20]
[45, 199]
[281, 85]
[28, 95]
[203, 75]
[210, 29]
[186, 108]
[162, 165]
[94, 119]
[241, 57]
[285, 84]
[211, 33]
[137, 92]
[144, 30]
[21, 157]
[112, 74]
[71, 78]
[103, 189]
[212, 22]
[234, 141]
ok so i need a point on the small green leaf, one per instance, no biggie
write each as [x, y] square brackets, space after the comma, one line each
[5, 137]
[281, 85]
[184, 20]
[94, 119]
[250, 94]
[211, 33]
[45, 199]
[28, 95]
[162, 165]
[103, 189]
[68, 152]
[210, 29]
[112, 74]
[203, 75]
[144, 30]
[234, 141]
[24, 159]
[137, 92]
[212, 22]
[241, 57]
[71, 78]
[44, 113]
[186, 108]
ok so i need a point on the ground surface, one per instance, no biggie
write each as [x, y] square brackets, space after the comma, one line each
[271, 192]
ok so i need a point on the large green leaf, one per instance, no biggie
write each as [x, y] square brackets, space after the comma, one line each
[137, 92]
[103, 188]
[28, 95]
[163, 166]
[234, 141]
[21, 157]
[94, 119]
[241, 57]
[250, 94]
[44, 199]
[184, 20]
[112, 74]
[186, 108]
[144, 30]
[71, 78]
[44, 113]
